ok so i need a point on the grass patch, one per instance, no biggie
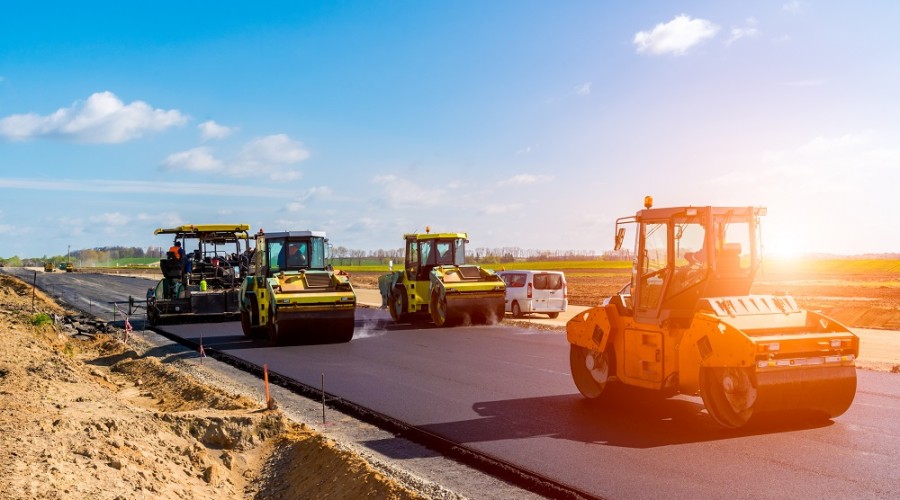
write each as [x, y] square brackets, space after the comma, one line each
[41, 319]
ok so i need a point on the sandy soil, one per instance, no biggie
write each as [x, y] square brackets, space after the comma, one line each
[88, 416]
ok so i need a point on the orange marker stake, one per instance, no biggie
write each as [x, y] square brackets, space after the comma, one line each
[266, 378]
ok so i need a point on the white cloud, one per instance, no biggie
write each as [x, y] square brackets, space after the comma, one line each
[500, 209]
[191, 189]
[113, 219]
[676, 36]
[525, 179]
[313, 193]
[195, 160]
[822, 194]
[278, 149]
[103, 118]
[269, 156]
[793, 7]
[583, 89]
[212, 130]
[524, 151]
[748, 31]
[805, 83]
[162, 219]
[398, 193]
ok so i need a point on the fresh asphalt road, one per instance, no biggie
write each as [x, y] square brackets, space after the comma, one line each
[507, 392]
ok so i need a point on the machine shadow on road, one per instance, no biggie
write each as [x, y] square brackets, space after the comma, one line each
[625, 419]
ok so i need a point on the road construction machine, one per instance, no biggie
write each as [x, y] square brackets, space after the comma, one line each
[687, 323]
[437, 284]
[293, 295]
[202, 273]
[48, 267]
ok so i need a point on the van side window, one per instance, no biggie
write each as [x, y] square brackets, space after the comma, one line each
[548, 281]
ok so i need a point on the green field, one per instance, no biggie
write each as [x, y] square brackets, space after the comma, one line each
[129, 262]
[834, 265]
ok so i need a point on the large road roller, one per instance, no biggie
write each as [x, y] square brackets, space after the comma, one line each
[688, 324]
[436, 284]
[292, 295]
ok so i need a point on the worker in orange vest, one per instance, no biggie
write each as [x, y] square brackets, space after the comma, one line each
[176, 250]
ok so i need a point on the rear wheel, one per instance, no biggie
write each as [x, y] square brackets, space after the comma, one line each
[500, 312]
[245, 324]
[439, 310]
[516, 310]
[397, 303]
[153, 315]
[553, 315]
[274, 334]
[729, 395]
[590, 370]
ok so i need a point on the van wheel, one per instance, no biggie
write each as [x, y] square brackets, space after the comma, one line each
[553, 315]
[516, 310]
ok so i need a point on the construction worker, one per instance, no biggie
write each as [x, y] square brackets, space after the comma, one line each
[175, 251]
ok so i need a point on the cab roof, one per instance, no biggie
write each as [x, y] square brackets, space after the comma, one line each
[295, 234]
[666, 212]
[208, 231]
[435, 236]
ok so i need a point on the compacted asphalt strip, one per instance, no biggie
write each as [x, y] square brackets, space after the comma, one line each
[506, 391]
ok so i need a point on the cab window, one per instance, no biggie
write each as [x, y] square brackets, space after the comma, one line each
[655, 259]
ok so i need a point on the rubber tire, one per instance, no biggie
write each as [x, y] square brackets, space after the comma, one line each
[439, 312]
[587, 385]
[398, 294]
[245, 324]
[273, 329]
[152, 315]
[553, 315]
[516, 310]
[714, 398]
[500, 313]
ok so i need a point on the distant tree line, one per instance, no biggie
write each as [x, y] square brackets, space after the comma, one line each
[350, 256]
[340, 255]
[85, 257]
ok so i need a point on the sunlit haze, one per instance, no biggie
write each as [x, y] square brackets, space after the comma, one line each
[526, 124]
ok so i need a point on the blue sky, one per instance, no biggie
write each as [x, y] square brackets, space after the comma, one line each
[527, 124]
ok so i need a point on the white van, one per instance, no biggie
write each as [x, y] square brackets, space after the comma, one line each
[535, 292]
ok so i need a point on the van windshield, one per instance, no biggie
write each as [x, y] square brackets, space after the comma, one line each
[514, 280]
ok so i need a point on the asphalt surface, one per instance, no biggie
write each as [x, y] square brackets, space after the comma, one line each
[507, 392]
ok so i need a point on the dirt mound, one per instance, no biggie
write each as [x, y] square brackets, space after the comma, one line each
[307, 465]
[174, 390]
[97, 418]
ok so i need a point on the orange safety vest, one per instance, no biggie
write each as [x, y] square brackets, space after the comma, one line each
[175, 250]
